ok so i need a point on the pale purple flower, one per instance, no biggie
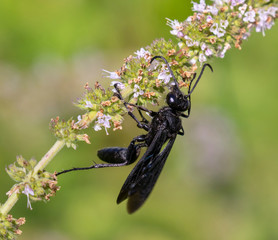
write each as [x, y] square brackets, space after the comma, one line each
[209, 18]
[190, 42]
[79, 118]
[249, 16]
[261, 25]
[208, 52]
[28, 191]
[203, 46]
[180, 44]
[176, 26]
[206, 49]
[88, 104]
[180, 34]
[222, 53]
[102, 121]
[199, 7]
[218, 2]
[236, 2]
[164, 76]
[242, 8]
[142, 53]
[97, 127]
[112, 75]
[202, 58]
[216, 30]
[272, 11]
[263, 17]
[199, 16]
[224, 23]
[221, 2]
[193, 61]
[246, 35]
[137, 91]
[189, 19]
[212, 9]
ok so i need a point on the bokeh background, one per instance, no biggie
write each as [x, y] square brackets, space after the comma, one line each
[220, 181]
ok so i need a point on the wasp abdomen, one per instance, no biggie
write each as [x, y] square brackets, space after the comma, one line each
[112, 154]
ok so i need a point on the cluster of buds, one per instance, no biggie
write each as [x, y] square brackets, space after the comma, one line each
[69, 131]
[210, 32]
[138, 81]
[9, 226]
[142, 82]
[36, 186]
[213, 29]
[102, 107]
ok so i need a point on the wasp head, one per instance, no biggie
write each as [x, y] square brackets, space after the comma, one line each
[177, 101]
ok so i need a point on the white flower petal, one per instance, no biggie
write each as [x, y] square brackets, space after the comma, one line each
[112, 75]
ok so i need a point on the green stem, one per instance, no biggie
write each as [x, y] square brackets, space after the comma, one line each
[58, 145]
[11, 201]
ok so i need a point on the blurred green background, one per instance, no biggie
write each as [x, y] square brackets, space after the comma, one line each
[220, 181]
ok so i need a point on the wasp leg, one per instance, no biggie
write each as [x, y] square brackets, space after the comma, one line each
[181, 132]
[141, 124]
[115, 156]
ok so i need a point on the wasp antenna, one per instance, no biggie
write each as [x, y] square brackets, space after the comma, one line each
[200, 75]
[170, 70]
[194, 76]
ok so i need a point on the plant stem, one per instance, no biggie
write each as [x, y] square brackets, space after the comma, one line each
[58, 145]
[11, 201]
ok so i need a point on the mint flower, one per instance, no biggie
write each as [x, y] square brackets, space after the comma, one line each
[242, 9]
[264, 21]
[102, 121]
[217, 30]
[236, 2]
[142, 53]
[112, 75]
[177, 27]
[213, 10]
[28, 191]
[79, 118]
[190, 42]
[199, 7]
[164, 76]
[202, 58]
[206, 49]
[221, 54]
[272, 11]
[137, 91]
[88, 104]
[224, 23]
[249, 16]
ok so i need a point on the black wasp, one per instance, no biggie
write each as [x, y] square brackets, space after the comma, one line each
[164, 127]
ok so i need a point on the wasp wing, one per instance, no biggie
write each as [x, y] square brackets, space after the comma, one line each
[143, 177]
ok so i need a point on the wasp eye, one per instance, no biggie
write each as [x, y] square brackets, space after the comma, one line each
[171, 99]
